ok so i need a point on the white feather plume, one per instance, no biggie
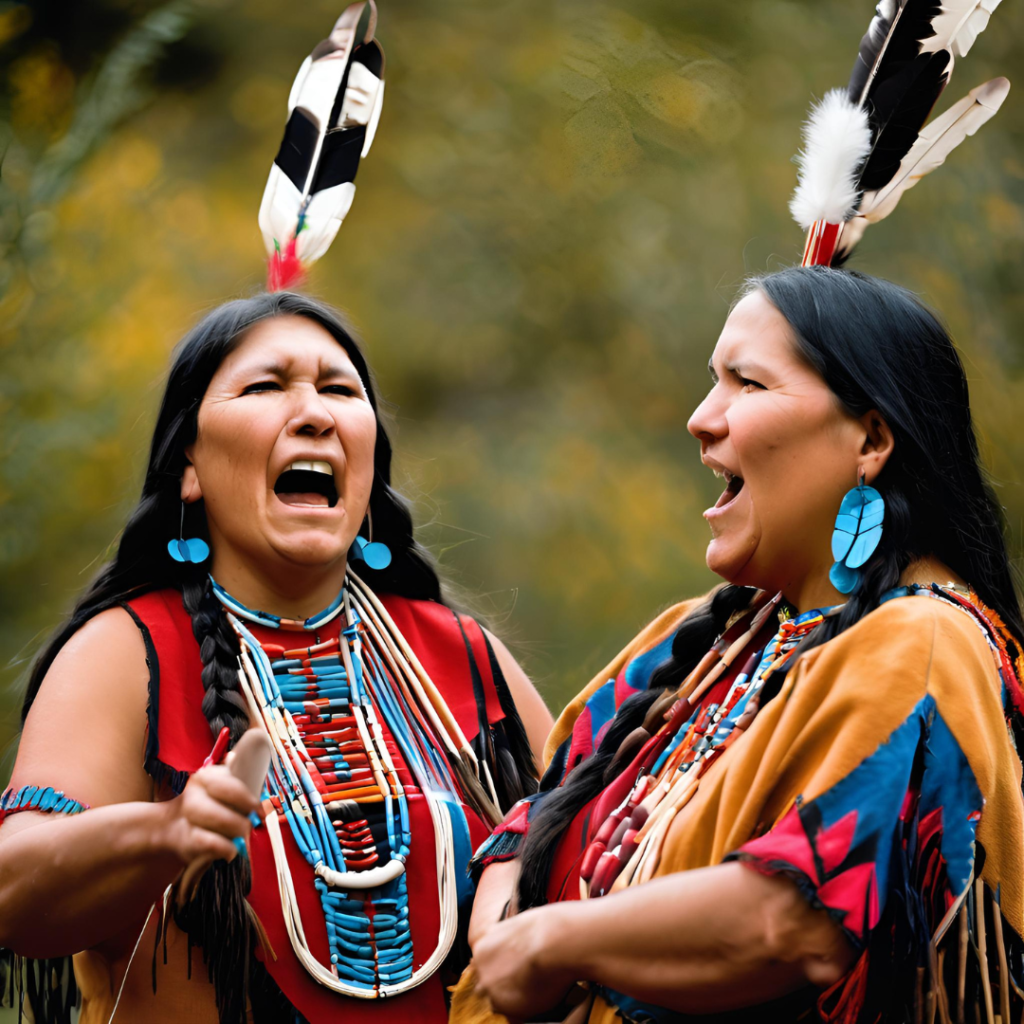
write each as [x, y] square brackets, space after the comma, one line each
[837, 140]
[958, 25]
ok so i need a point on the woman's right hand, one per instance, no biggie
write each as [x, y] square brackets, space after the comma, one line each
[202, 824]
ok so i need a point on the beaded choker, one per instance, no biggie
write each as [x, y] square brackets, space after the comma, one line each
[275, 621]
[336, 785]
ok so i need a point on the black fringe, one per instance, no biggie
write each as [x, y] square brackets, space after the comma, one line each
[46, 988]
[160, 772]
[503, 746]
[163, 774]
[217, 921]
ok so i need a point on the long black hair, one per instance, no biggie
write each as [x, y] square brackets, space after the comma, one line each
[216, 920]
[877, 347]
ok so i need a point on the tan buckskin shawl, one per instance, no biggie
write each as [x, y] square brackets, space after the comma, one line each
[916, 664]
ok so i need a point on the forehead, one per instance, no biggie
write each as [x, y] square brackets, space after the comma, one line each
[292, 343]
[756, 328]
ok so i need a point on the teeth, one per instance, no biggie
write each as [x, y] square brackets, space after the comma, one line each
[312, 467]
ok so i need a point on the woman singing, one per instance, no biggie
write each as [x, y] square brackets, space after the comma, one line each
[800, 796]
[268, 579]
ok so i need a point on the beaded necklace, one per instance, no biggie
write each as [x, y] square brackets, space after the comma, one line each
[335, 783]
[625, 846]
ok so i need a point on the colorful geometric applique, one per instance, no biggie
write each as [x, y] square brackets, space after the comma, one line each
[912, 806]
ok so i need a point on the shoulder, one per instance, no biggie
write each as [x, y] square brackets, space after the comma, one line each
[160, 611]
[919, 638]
[106, 650]
[85, 730]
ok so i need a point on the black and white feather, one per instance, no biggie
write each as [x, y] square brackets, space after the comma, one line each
[904, 62]
[333, 110]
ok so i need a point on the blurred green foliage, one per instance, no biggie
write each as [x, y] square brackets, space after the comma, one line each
[561, 202]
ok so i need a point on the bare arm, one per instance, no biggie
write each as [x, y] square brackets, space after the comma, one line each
[68, 883]
[705, 941]
[531, 707]
[495, 893]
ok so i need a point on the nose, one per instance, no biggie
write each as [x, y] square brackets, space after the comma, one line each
[708, 422]
[310, 417]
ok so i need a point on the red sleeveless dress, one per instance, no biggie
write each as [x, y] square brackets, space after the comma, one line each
[455, 654]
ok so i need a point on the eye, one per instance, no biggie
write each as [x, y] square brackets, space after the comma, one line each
[340, 389]
[261, 385]
[746, 382]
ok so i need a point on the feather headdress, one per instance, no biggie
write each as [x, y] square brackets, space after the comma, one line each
[333, 110]
[865, 146]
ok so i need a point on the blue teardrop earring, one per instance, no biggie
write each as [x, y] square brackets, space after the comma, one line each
[374, 553]
[194, 550]
[857, 533]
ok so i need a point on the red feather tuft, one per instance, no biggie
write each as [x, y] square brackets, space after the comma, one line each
[285, 269]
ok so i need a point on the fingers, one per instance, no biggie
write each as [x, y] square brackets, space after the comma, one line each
[211, 813]
[226, 788]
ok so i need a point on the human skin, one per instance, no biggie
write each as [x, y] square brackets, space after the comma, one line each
[690, 941]
[86, 882]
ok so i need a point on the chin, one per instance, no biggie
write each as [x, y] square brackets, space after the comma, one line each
[310, 552]
[731, 561]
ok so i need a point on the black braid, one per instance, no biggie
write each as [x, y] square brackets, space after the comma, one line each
[694, 637]
[223, 702]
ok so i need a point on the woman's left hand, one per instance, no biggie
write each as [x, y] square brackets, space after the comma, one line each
[517, 965]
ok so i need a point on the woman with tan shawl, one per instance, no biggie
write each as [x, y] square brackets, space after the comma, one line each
[800, 798]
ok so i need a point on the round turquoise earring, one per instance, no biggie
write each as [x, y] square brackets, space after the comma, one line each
[372, 552]
[857, 533]
[194, 550]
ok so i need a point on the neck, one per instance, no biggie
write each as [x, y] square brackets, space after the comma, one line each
[814, 591]
[295, 592]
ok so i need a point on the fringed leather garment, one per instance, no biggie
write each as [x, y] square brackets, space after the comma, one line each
[882, 779]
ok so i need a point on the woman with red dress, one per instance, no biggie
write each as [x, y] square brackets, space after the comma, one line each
[268, 579]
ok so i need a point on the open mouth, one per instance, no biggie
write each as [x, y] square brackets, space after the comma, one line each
[733, 486]
[307, 483]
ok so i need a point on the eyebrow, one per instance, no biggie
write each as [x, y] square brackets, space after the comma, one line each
[277, 370]
[743, 367]
[750, 369]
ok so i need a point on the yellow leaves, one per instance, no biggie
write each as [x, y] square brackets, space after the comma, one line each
[699, 97]
[187, 213]
[1003, 218]
[136, 163]
[41, 89]
[600, 138]
[630, 91]
[14, 20]
[260, 103]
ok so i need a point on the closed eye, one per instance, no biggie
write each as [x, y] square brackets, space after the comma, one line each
[261, 385]
[747, 382]
[341, 389]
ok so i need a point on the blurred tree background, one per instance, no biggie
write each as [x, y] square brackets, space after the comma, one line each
[562, 200]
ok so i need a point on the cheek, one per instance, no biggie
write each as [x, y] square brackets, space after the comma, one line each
[231, 451]
[358, 433]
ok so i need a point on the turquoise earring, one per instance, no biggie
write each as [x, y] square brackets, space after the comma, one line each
[194, 550]
[371, 552]
[857, 533]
